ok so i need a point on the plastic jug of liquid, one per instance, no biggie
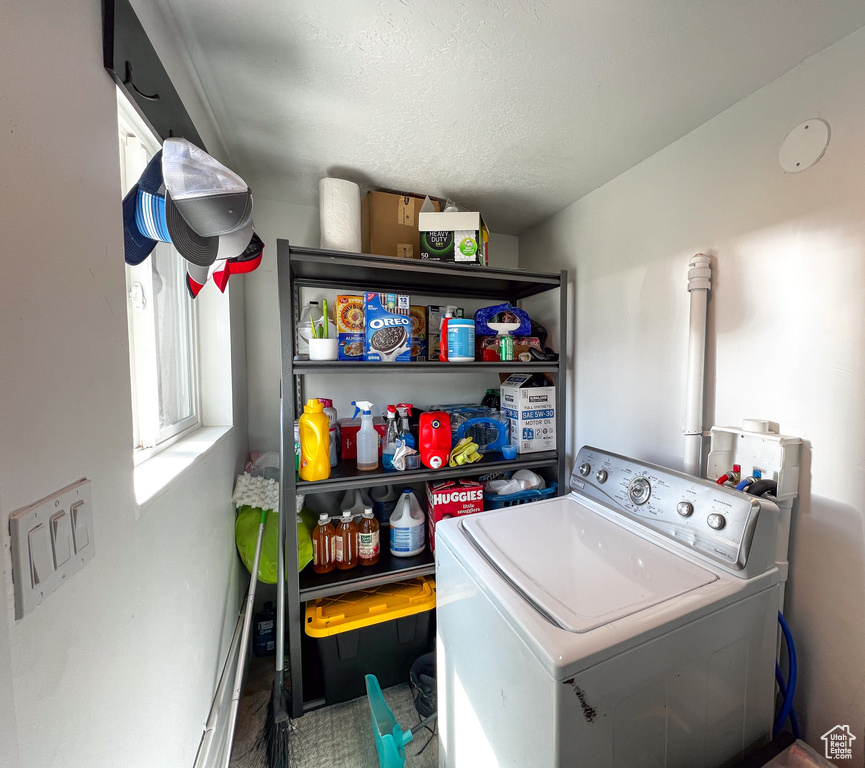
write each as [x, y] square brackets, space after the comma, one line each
[435, 439]
[323, 540]
[407, 526]
[388, 447]
[331, 414]
[311, 314]
[368, 541]
[346, 542]
[384, 499]
[314, 442]
[264, 636]
[367, 437]
[356, 500]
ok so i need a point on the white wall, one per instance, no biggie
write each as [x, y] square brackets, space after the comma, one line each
[300, 225]
[788, 337]
[118, 667]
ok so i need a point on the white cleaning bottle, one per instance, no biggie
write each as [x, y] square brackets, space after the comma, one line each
[367, 437]
[407, 526]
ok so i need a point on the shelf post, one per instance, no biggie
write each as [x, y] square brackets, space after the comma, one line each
[288, 615]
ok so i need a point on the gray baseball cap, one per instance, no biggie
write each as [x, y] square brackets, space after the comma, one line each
[212, 199]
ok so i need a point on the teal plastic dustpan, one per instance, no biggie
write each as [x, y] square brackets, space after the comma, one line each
[390, 739]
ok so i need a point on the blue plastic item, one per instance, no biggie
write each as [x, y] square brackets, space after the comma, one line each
[476, 427]
[492, 501]
[390, 738]
[509, 452]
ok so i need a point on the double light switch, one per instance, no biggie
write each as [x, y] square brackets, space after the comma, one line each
[51, 540]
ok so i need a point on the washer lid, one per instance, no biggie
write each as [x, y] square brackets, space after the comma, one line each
[578, 569]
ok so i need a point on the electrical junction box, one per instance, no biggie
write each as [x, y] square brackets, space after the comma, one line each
[755, 446]
[51, 540]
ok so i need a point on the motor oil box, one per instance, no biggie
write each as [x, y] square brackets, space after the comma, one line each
[531, 411]
[387, 327]
[418, 333]
[349, 429]
[350, 327]
[451, 498]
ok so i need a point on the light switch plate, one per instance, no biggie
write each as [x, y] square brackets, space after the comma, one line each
[51, 540]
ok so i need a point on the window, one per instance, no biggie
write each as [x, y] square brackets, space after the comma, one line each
[163, 355]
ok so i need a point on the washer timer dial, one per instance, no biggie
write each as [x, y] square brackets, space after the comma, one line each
[639, 490]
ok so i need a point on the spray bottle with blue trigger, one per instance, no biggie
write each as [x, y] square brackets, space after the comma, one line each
[367, 437]
[404, 435]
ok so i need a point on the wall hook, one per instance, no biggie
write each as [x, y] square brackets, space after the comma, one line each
[128, 81]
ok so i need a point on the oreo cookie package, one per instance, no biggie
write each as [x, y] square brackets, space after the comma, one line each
[387, 326]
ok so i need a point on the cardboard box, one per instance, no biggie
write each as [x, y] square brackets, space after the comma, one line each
[531, 411]
[451, 498]
[488, 347]
[434, 315]
[418, 333]
[387, 323]
[350, 327]
[461, 237]
[389, 224]
[349, 429]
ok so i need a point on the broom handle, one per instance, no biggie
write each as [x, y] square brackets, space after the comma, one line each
[244, 643]
[280, 600]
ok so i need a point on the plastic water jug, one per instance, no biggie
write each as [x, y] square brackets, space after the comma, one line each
[407, 525]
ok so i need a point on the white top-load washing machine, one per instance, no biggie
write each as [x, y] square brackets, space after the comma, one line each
[630, 623]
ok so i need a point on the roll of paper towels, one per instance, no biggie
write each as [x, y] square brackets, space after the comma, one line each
[339, 208]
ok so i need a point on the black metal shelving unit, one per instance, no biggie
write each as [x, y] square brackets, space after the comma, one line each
[335, 270]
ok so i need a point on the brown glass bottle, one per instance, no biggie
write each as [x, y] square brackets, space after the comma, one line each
[323, 540]
[368, 543]
[346, 542]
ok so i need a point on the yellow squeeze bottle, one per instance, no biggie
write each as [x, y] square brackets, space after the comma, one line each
[314, 442]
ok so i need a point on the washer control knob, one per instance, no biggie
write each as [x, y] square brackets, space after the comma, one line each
[685, 508]
[585, 469]
[602, 475]
[639, 490]
[716, 521]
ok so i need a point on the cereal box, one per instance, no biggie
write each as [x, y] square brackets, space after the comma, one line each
[349, 326]
[388, 327]
[451, 498]
[418, 333]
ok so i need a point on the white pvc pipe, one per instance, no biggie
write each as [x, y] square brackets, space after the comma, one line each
[699, 285]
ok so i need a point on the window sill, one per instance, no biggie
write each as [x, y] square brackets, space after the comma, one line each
[153, 476]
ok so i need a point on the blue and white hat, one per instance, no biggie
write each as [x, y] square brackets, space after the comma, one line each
[144, 214]
[148, 220]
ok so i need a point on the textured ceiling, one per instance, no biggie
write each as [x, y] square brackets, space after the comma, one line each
[513, 107]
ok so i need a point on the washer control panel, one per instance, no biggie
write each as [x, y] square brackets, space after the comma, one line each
[711, 519]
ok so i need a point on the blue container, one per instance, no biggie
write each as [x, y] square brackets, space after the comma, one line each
[264, 634]
[461, 340]
[523, 497]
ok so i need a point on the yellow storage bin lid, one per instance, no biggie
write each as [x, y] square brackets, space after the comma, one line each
[331, 615]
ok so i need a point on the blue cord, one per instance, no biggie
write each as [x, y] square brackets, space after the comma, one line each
[782, 686]
[788, 694]
[743, 485]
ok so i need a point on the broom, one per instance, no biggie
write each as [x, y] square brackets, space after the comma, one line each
[244, 641]
[277, 729]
